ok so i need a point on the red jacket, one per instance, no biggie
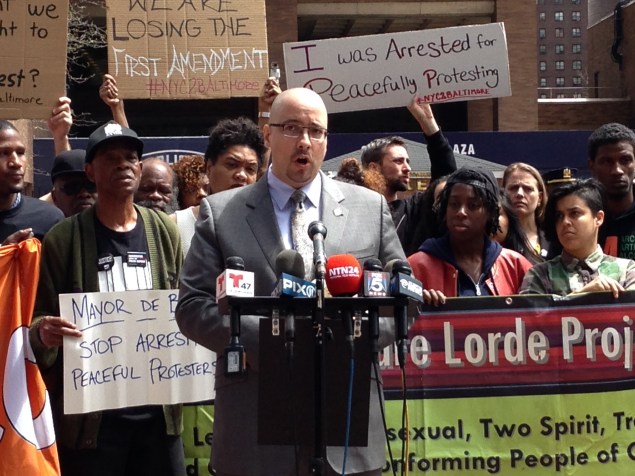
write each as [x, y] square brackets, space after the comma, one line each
[504, 278]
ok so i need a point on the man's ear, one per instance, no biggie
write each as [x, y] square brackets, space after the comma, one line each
[90, 173]
[374, 166]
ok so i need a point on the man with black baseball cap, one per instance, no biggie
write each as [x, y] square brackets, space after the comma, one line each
[72, 191]
[112, 246]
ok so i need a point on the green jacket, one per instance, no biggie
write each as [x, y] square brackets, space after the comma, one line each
[69, 265]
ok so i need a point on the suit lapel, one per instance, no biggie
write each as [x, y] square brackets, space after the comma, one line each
[262, 220]
[334, 215]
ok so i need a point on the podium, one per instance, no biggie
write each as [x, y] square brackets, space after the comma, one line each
[286, 417]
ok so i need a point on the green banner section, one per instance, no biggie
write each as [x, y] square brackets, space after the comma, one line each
[581, 434]
[198, 421]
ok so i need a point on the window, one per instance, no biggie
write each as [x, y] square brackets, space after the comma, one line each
[577, 95]
[543, 82]
[576, 48]
[542, 16]
[542, 33]
[576, 32]
[560, 96]
[559, 49]
[559, 32]
[577, 65]
[542, 49]
[560, 81]
[577, 81]
[575, 2]
[575, 16]
[559, 65]
[543, 66]
[558, 16]
[557, 2]
[543, 96]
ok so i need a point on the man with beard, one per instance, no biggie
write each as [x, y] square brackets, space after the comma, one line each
[611, 150]
[156, 186]
[389, 157]
[20, 215]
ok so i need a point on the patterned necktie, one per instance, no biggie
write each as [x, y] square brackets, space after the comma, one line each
[301, 241]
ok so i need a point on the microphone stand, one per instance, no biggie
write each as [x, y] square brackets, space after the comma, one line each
[318, 463]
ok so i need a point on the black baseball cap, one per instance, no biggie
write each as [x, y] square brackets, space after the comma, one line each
[68, 162]
[112, 131]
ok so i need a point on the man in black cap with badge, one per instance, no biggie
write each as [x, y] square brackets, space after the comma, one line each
[112, 246]
[72, 191]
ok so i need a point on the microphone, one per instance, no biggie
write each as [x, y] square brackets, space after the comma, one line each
[290, 266]
[374, 284]
[290, 269]
[234, 281]
[343, 278]
[317, 233]
[404, 286]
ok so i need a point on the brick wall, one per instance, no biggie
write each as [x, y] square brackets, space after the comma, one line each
[571, 115]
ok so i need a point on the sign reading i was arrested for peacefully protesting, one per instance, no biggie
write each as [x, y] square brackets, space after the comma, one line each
[33, 57]
[381, 71]
[187, 49]
[131, 353]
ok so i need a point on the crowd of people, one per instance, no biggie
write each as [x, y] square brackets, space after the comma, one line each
[118, 223]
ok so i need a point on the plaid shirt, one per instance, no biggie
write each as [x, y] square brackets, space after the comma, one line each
[566, 274]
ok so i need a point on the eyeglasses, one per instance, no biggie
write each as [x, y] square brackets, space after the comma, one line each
[73, 188]
[294, 131]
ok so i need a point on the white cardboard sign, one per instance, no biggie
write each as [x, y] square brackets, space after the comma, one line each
[381, 71]
[131, 353]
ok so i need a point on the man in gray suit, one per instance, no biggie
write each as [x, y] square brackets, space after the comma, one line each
[253, 222]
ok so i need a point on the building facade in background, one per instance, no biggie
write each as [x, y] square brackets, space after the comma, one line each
[562, 50]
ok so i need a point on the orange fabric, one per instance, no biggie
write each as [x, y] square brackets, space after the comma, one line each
[27, 437]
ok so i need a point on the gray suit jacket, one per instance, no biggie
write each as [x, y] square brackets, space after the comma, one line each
[242, 222]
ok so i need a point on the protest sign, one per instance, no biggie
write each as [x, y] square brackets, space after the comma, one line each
[33, 73]
[517, 384]
[131, 353]
[187, 49]
[381, 71]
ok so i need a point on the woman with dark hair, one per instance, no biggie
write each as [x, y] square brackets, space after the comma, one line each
[465, 261]
[575, 214]
[510, 234]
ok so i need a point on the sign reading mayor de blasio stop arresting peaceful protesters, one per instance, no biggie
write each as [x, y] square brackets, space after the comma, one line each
[187, 49]
[381, 71]
[33, 57]
[131, 353]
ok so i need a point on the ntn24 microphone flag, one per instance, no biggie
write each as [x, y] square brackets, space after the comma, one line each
[27, 436]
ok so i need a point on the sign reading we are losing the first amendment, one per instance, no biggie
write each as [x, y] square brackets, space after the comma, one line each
[381, 71]
[131, 353]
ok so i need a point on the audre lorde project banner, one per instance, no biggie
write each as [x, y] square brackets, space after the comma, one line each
[517, 384]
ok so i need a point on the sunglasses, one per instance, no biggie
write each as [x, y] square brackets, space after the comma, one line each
[73, 188]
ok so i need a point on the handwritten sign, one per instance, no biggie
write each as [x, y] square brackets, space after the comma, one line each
[187, 49]
[380, 71]
[33, 58]
[131, 353]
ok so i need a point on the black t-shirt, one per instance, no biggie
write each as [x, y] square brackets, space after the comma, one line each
[123, 264]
